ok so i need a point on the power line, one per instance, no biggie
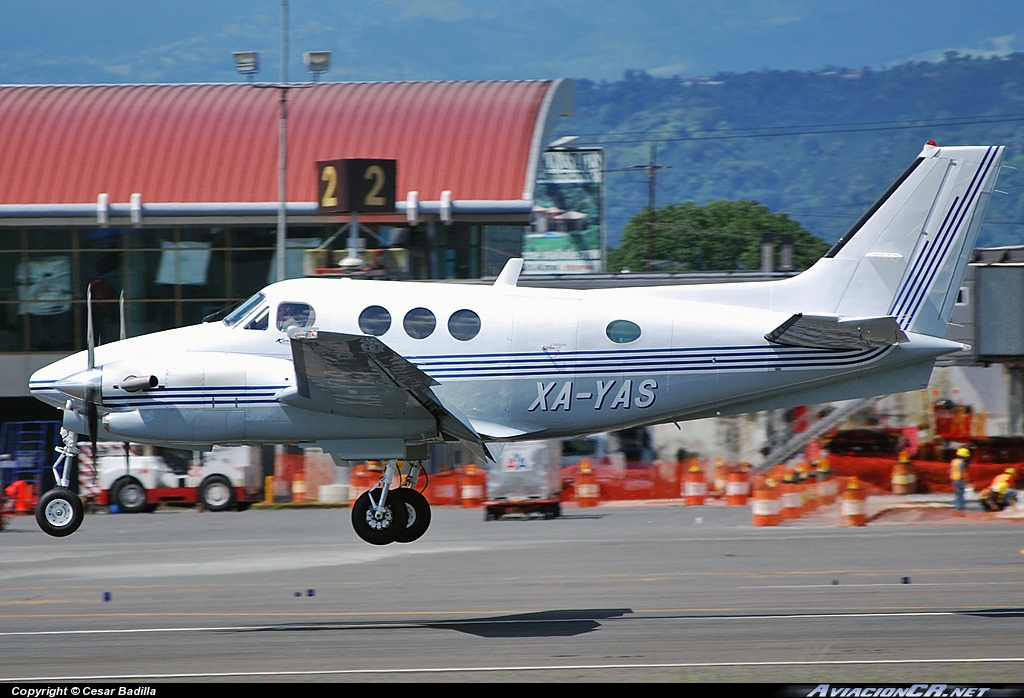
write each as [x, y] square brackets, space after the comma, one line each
[908, 123]
[811, 132]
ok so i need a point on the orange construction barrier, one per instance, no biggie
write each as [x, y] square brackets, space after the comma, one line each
[855, 504]
[299, 486]
[721, 480]
[588, 492]
[791, 499]
[737, 489]
[695, 489]
[904, 479]
[441, 488]
[766, 507]
[474, 486]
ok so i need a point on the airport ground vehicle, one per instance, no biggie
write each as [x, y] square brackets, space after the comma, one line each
[525, 479]
[220, 479]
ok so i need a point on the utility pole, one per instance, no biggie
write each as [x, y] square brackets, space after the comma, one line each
[282, 153]
[652, 174]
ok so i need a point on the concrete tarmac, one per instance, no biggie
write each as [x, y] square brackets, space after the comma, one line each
[624, 593]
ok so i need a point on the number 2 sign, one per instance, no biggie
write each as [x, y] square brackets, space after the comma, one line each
[356, 184]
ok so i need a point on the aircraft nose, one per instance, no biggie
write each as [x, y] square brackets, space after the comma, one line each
[84, 385]
[42, 381]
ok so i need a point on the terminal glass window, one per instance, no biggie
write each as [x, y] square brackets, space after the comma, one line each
[170, 276]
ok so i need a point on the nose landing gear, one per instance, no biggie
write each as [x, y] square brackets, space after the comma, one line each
[59, 511]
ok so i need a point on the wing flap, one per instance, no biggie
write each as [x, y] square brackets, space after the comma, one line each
[834, 332]
[360, 376]
[354, 376]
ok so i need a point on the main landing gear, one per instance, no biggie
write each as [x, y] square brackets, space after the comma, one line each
[59, 511]
[401, 515]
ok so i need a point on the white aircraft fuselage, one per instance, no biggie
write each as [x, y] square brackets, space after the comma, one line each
[542, 364]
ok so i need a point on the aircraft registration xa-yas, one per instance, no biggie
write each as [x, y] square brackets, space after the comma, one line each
[383, 369]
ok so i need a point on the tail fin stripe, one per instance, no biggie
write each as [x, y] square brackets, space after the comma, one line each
[897, 307]
[947, 239]
[925, 261]
[932, 257]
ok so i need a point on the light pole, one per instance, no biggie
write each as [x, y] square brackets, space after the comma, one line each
[247, 63]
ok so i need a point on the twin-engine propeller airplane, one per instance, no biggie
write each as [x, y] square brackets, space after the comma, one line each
[382, 369]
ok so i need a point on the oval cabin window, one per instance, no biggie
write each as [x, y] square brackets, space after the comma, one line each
[622, 331]
[419, 323]
[464, 325]
[375, 320]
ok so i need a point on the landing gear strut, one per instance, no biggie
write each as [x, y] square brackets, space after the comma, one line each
[382, 516]
[59, 512]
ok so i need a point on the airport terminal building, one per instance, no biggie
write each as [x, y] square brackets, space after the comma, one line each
[169, 193]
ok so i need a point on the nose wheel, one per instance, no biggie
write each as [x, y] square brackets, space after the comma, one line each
[59, 512]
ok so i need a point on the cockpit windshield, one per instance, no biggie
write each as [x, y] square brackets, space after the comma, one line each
[244, 309]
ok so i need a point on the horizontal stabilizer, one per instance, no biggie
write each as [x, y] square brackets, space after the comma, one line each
[833, 332]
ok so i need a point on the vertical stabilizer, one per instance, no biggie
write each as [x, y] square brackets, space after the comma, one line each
[907, 255]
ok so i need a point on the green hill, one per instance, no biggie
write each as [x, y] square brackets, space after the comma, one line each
[818, 146]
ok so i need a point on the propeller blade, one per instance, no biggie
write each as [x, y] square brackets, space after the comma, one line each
[127, 459]
[90, 339]
[93, 417]
[124, 327]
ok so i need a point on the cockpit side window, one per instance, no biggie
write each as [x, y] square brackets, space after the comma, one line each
[291, 314]
[261, 320]
[239, 313]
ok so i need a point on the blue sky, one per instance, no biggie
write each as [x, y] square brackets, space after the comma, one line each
[192, 40]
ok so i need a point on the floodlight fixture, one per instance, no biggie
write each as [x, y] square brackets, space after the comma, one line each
[317, 62]
[247, 62]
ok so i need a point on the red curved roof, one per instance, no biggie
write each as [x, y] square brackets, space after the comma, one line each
[218, 142]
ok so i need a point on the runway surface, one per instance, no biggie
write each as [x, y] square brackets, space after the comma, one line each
[645, 593]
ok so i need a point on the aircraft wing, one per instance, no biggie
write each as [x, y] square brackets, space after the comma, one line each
[360, 376]
[834, 332]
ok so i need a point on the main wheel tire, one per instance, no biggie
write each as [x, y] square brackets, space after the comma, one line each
[418, 511]
[383, 530]
[130, 496]
[216, 493]
[59, 512]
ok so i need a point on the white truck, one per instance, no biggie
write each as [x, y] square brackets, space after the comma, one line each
[144, 478]
[525, 479]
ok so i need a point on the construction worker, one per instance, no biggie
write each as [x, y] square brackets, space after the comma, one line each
[1001, 493]
[958, 474]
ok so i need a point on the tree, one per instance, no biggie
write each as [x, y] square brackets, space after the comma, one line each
[719, 236]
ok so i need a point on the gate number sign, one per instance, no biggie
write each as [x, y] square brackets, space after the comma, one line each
[361, 185]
